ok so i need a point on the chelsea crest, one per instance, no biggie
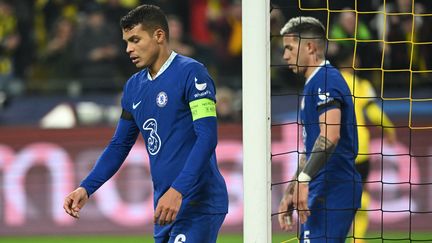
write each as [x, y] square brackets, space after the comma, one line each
[162, 99]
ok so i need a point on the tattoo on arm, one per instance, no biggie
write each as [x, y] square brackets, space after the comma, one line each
[302, 163]
[322, 143]
[321, 152]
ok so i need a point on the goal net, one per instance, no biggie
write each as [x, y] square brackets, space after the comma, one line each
[384, 44]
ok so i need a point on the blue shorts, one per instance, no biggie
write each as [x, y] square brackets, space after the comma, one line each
[326, 225]
[194, 228]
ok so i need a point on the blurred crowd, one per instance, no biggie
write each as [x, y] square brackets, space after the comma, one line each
[384, 41]
[75, 47]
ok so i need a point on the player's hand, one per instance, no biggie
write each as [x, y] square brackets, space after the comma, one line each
[75, 201]
[300, 200]
[167, 207]
[286, 212]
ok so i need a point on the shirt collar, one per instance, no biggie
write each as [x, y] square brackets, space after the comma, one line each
[164, 66]
[322, 64]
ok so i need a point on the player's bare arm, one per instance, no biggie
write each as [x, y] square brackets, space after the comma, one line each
[286, 204]
[75, 201]
[323, 148]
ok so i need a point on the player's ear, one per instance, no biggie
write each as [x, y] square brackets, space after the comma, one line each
[311, 47]
[160, 35]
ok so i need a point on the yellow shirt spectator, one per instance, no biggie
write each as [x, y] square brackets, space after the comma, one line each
[366, 108]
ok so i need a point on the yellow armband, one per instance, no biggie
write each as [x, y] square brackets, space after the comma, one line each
[202, 108]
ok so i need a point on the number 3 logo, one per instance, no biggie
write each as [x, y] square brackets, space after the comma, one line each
[153, 142]
[180, 238]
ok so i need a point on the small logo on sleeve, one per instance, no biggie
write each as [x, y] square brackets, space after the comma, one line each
[324, 97]
[200, 87]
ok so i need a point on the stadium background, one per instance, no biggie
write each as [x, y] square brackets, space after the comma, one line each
[58, 110]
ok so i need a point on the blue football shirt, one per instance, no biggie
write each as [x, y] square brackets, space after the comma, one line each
[338, 181]
[174, 112]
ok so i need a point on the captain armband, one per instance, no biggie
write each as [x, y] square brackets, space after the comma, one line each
[202, 108]
[321, 151]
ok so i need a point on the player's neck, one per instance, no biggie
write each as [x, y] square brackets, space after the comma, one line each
[313, 65]
[161, 59]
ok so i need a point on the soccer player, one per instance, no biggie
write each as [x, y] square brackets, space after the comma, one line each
[327, 189]
[171, 102]
[366, 109]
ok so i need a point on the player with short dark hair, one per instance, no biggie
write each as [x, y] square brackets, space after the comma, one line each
[327, 190]
[171, 102]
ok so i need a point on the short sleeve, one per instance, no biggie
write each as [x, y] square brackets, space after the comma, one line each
[330, 95]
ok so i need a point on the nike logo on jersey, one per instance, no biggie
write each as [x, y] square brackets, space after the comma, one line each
[200, 87]
[134, 106]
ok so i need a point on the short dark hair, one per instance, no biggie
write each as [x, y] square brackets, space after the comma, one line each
[151, 17]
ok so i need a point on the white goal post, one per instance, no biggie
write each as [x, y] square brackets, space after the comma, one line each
[256, 121]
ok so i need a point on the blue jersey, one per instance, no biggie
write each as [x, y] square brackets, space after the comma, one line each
[338, 181]
[180, 144]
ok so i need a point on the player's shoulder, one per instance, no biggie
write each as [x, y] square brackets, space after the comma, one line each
[134, 81]
[188, 64]
[326, 76]
[335, 76]
[329, 79]
[334, 73]
[135, 78]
